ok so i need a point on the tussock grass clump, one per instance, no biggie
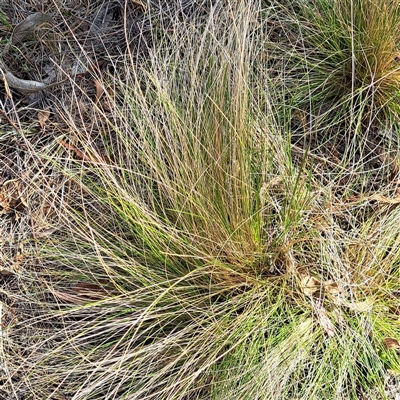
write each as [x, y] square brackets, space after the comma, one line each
[340, 56]
[200, 261]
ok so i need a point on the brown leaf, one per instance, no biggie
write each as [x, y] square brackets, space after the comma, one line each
[331, 287]
[21, 195]
[4, 271]
[385, 200]
[139, 3]
[310, 285]
[99, 89]
[324, 320]
[44, 233]
[10, 196]
[77, 152]
[4, 203]
[361, 306]
[89, 290]
[391, 343]
[108, 105]
[43, 116]
[18, 258]
[47, 210]
[83, 156]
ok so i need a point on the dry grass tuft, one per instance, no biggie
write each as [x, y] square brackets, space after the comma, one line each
[181, 246]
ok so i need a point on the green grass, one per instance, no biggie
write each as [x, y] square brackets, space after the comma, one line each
[202, 259]
[4, 20]
[341, 58]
